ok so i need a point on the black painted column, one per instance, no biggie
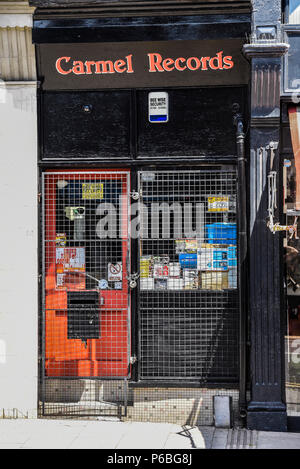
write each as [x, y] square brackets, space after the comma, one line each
[266, 409]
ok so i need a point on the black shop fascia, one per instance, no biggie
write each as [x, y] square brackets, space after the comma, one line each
[96, 76]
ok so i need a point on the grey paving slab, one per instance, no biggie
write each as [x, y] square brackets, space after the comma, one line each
[272, 440]
[51, 440]
[12, 433]
[143, 435]
[219, 439]
[11, 446]
[182, 437]
[198, 438]
[208, 435]
[104, 435]
[13, 438]
[101, 434]
[37, 433]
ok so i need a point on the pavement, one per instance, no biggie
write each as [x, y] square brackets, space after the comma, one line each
[113, 434]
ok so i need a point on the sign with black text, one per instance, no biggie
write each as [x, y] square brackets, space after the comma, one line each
[158, 102]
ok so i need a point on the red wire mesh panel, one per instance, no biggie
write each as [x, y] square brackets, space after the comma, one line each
[85, 317]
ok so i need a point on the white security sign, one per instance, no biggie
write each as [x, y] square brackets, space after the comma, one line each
[158, 107]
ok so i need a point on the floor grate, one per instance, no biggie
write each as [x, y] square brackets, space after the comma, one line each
[241, 439]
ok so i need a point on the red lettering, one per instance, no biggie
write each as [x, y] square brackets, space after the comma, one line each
[88, 65]
[105, 66]
[228, 62]
[204, 61]
[177, 62]
[58, 65]
[167, 65]
[155, 63]
[218, 58]
[78, 68]
[129, 63]
[197, 63]
[118, 66]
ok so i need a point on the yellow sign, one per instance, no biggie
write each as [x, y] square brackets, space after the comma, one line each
[92, 191]
[218, 204]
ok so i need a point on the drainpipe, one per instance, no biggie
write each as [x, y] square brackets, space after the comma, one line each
[242, 255]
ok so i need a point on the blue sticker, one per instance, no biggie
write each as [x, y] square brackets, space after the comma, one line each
[103, 284]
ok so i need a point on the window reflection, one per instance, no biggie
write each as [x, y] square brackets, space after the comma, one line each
[294, 11]
[292, 272]
[293, 65]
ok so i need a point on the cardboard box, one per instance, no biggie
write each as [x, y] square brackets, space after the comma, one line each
[191, 246]
[175, 283]
[174, 270]
[213, 280]
[191, 279]
[160, 284]
[232, 277]
[232, 256]
[187, 245]
[179, 246]
[212, 257]
[188, 261]
[146, 267]
[147, 284]
[160, 271]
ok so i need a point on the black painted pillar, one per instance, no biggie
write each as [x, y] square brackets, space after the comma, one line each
[266, 409]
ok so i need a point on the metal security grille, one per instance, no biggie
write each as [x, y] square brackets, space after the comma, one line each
[188, 314]
[85, 323]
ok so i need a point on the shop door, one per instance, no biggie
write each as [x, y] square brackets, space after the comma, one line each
[188, 309]
[86, 262]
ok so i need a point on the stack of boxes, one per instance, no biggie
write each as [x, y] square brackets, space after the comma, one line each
[213, 265]
[186, 249]
[207, 266]
[217, 259]
[232, 267]
[146, 273]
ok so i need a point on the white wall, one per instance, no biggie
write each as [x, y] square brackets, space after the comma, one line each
[18, 249]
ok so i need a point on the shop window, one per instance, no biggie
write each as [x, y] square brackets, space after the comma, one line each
[293, 12]
[292, 62]
[292, 260]
[291, 179]
[291, 33]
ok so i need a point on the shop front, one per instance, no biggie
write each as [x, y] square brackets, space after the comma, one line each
[290, 161]
[143, 212]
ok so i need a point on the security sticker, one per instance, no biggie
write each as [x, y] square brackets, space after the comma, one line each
[218, 204]
[92, 191]
[114, 272]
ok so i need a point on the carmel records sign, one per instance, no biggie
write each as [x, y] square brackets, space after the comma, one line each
[142, 64]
